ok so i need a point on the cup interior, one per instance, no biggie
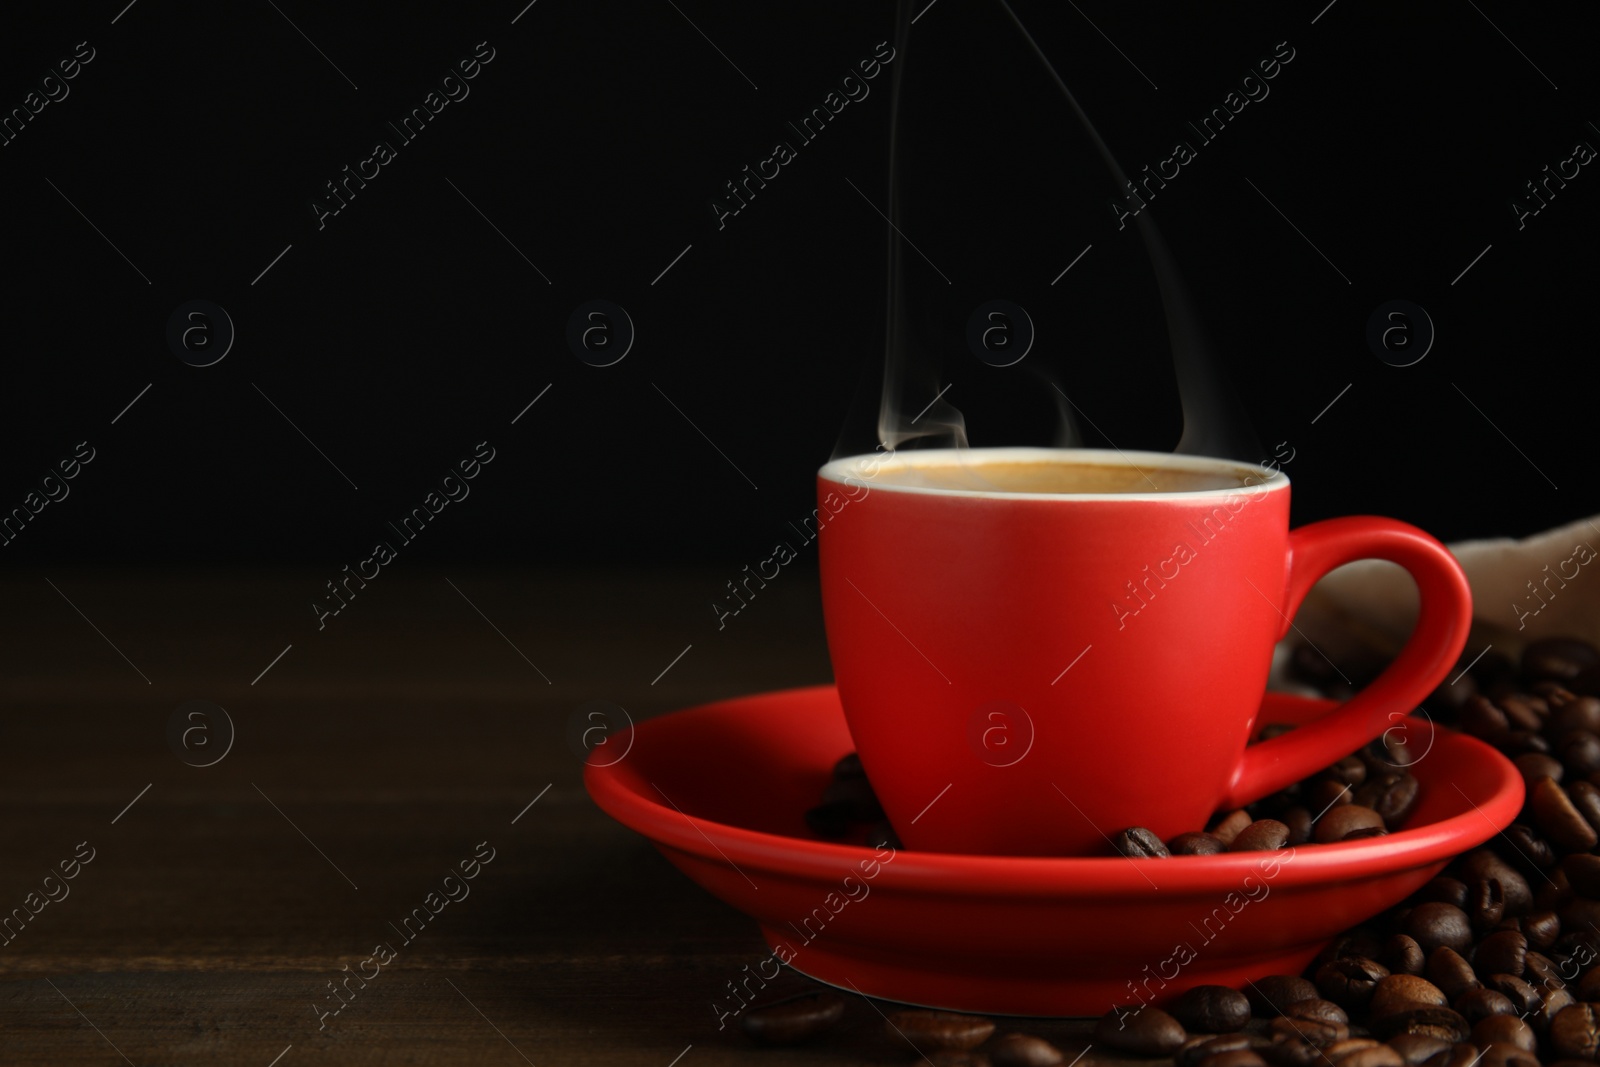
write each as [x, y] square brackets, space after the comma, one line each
[1066, 473]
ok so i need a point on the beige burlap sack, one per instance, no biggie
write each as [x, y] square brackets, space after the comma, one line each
[1546, 585]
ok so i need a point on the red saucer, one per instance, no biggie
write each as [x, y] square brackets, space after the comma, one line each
[722, 789]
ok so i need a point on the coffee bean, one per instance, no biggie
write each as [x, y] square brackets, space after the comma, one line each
[1554, 891]
[1524, 996]
[881, 835]
[1024, 1050]
[1493, 670]
[1442, 1023]
[1524, 712]
[1366, 833]
[1575, 1032]
[1404, 992]
[1459, 1054]
[1504, 1028]
[1213, 1009]
[1263, 835]
[1385, 754]
[1196, 1048]
[1315, 1009]
[849, 766]
[1402, 955]
[1578, 713]
[957, 1058]
[1203, 1046]
[1587, 683]
[1311, 1031]
[1449, 697]
[1349, 982]
[1585, 796]
[1579, 751]
[1589, 985]
[1536, 765]
[1555, 1002]
[1515, 742]
[1541, 929]
[1542, 971]
[1339, 821]
[1481, 719]
[1228, 827]
[1417, 1049]
[1524, 847]
[1478, 1004]
[1339, 1049]
[1138, 843]
[1292, 1052]
[1483, 864]
[1553, 693]
[1298, 820]
[1444, 890]
[1583, 872]
[1351, 770]
[1503, 952]
[1486, 904]
[1580, 918]
[1560, 821]
[1559, 659]
[1434, 924]
[1376, 1056]
[1501, 1054]
[856, 793]
[929, 1030]
[789, 1021]
[1269, 996]
[1326, 793]
[1393, 795]
[1196, 843]
[1142, 1031]
[1450, 971]
[1242, 1057]
[1363, 942]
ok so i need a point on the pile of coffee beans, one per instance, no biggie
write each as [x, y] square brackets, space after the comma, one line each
[850, 810]
[1495, 962]
[1367, 794]
[1492, 962]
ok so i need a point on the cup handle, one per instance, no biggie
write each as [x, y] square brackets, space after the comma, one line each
[1430, 653]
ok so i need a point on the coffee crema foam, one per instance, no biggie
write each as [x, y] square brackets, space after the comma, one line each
[1022, 476]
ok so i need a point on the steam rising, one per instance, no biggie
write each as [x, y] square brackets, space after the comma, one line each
[940, 425]
[1214, 423]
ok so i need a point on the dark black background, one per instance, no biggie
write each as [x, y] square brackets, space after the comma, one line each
[408, 329]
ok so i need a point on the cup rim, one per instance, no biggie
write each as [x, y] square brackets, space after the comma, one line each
[838, 471]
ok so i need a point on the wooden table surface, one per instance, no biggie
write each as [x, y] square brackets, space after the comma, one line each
[367, 762]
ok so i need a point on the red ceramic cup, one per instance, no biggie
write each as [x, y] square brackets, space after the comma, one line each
[1037, 648]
